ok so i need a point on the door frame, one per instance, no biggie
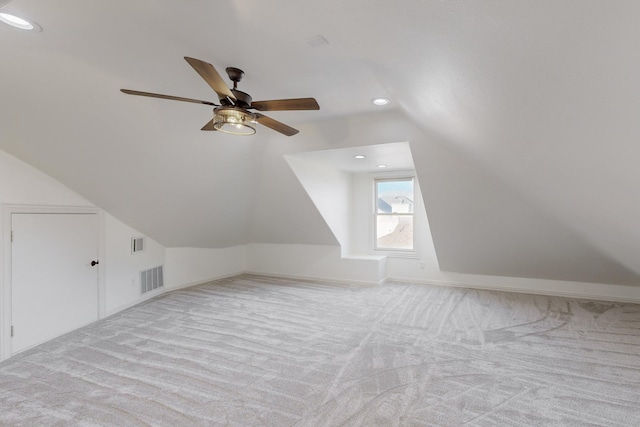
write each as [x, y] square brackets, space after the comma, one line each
[5, 267]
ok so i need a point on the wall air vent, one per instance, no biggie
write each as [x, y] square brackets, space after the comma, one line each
[137, 244]
[151, 279]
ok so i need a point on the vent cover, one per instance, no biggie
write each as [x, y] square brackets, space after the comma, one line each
[151, 279]
[137, 244]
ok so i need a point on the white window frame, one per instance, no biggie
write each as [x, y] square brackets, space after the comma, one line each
[376, 214]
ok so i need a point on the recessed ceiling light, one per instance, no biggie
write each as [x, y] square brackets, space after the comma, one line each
[381, 101]
[359, 156]
[18, 22]
[382, 166]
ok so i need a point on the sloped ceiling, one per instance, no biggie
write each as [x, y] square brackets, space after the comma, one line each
[540, 99]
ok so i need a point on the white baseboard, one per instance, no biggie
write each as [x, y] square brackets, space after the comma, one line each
[613, 294]
[203, 281]
[315, 278]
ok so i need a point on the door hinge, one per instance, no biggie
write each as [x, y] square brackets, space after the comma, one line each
[11, 330]
[12, 235]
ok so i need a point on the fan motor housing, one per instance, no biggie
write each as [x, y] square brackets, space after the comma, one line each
[243, 99]
[235, 74]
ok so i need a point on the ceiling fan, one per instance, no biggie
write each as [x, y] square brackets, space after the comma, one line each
[232, 114]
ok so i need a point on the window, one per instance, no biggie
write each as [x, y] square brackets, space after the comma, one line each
[393, 220]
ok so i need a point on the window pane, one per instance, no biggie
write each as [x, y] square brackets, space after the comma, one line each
[394, 196]
[394, 232]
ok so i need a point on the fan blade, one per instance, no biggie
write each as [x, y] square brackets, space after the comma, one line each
[208, 126]
[211, 76]
[159, 95]
[275, 125]
[286, 104]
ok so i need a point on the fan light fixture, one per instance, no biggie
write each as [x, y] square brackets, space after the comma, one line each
[233, 120]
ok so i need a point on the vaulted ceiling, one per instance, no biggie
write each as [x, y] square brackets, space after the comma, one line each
[521, 117]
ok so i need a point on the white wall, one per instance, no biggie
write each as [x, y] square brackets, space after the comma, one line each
[122, 268]
[25, 185]
[313, 262]
[283, 212]
[191, 266]
[486, 223]
[330, 191]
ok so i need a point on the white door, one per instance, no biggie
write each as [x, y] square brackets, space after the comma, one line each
[54, 287]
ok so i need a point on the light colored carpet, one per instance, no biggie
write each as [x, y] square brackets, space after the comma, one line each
[257, 351]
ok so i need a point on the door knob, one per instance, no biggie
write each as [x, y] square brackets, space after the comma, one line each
[94, 263]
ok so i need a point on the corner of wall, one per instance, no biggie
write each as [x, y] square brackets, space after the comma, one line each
[314, 262]
[191, 266]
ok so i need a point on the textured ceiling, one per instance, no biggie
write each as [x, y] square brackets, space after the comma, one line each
[535, 102]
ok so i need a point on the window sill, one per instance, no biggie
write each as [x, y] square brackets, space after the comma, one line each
[395, 254]
[375, 257]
